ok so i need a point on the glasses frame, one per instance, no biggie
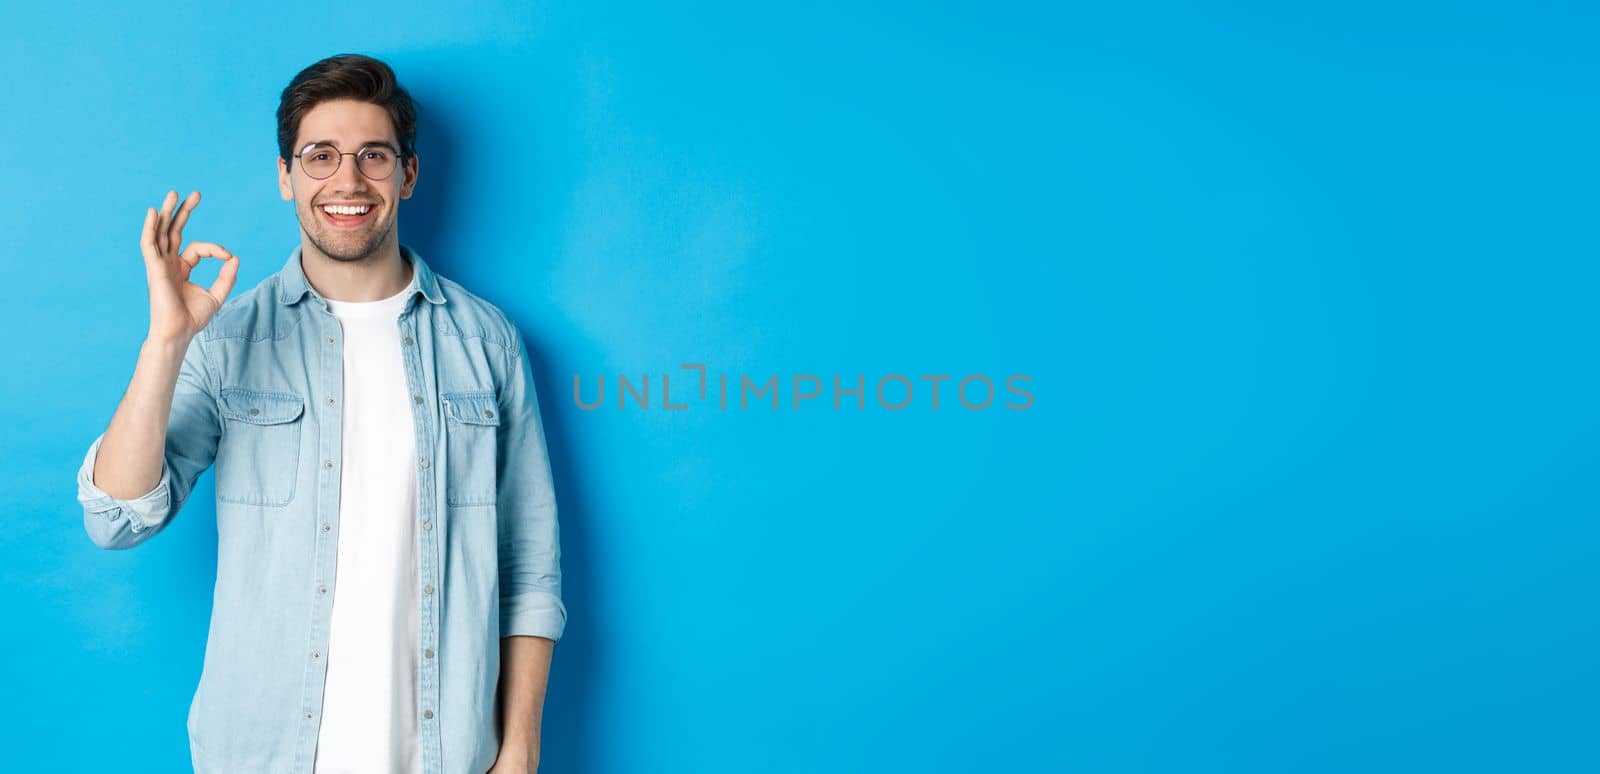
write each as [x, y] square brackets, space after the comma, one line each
[399, 156]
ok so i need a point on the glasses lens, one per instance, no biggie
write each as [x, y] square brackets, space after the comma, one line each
[319, 160]
[376, 162]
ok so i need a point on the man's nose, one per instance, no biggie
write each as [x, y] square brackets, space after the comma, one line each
[347, 179]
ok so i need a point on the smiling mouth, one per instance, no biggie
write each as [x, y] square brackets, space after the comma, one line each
[347, 216]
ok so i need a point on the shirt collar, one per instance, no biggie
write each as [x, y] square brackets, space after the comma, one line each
[292, 282]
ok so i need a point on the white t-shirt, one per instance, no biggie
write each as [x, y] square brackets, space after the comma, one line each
[369, 716]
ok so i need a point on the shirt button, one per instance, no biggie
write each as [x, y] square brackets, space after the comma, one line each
[409, 342]
[254, 411]
[316, 654]
[417, 398]
[330, 341]
[327, 527]
[428, 653]
[330, 401]
[322, 589]
[427, 525]
[427, 713]
[308, 716]
[327, 463]
[424, 463]
[488, 413]
[428, 589]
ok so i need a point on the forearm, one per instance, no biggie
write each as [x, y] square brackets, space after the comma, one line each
[524, 674]
[128, 463]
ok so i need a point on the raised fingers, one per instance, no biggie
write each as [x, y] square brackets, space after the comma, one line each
[175, 230]
[161, 222]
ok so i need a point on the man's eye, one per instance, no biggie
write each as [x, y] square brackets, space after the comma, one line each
[319, 156]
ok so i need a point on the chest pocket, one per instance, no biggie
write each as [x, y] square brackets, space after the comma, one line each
[472, 421]
[258, 457]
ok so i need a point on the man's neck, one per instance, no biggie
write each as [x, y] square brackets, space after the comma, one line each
[376, 277]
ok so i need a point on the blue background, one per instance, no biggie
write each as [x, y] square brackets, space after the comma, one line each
[1307, 300]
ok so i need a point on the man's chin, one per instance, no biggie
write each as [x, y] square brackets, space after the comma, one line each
[344, 246]
[341, 250]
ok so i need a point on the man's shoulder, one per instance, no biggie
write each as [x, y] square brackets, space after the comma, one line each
[472, 315]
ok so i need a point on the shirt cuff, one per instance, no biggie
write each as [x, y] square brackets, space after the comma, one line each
[147, 511]
[533, 613]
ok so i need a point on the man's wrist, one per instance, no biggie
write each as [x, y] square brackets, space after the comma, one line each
[515, 752]
[167, 348]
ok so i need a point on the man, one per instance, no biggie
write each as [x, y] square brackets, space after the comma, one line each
[388, 570]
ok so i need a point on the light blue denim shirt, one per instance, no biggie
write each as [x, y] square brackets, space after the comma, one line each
[260, 394]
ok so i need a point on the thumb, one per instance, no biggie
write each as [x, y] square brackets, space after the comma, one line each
[225, 278]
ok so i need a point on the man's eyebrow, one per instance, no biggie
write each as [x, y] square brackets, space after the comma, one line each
[386, 143]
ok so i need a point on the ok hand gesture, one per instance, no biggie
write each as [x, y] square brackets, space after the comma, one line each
[180, 308]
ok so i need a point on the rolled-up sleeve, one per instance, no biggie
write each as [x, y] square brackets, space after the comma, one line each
[528, 532]
[193, 430]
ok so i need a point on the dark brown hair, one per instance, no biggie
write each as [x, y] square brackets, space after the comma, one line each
[346, 76]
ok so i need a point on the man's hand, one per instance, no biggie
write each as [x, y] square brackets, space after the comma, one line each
[516, 759]
[180, 308]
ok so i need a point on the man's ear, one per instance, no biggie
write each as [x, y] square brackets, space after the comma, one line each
[285, 188]
[412, 165]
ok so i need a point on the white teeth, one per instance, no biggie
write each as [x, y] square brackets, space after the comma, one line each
[350, 210]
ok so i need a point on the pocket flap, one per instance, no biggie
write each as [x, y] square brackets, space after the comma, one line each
[474, 408]
[260, 408]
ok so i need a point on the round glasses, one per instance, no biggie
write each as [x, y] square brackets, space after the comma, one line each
[321, 160]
